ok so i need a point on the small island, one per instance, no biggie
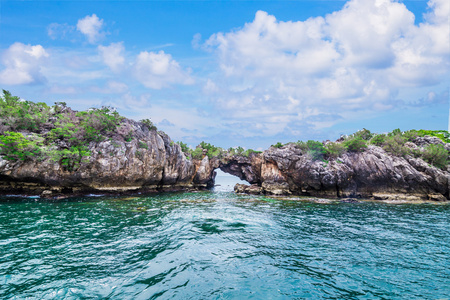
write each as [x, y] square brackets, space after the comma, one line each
[55, 150]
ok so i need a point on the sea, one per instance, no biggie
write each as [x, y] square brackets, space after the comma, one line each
[219, 245]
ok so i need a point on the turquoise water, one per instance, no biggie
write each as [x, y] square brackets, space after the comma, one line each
[217, 245]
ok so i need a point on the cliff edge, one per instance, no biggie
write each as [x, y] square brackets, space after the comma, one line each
[372, 173]
[53, 150]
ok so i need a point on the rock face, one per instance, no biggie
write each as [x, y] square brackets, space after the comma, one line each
[150, 161]
[253, 189]
[369, 174]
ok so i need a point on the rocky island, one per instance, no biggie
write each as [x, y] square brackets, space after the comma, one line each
[54, 150]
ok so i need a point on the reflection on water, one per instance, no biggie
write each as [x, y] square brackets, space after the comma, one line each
[218, 245]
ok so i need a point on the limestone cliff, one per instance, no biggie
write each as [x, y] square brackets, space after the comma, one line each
[148, 161]
[373, 173]
[54, 150]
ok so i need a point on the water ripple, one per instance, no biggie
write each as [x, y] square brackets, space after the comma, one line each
[221, 246]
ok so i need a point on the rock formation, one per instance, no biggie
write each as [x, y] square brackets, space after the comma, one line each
[56, 150]
[150, 161]
[373, 173]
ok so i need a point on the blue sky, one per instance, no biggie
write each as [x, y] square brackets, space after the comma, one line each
[247, 73]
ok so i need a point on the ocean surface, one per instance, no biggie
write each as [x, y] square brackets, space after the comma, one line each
[218, 245]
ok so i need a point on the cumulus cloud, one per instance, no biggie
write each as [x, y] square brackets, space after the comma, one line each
[157, 70]
[113, 55]
[91, 27]
[355, 59]
[22, 64]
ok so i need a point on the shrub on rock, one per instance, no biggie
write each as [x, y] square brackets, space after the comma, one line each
[355, 144]
[436, 155]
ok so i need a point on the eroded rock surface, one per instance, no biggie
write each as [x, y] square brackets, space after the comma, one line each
[150, 161]
[373, 173]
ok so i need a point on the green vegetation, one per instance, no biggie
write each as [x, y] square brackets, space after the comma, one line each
[316, 149]
[363, 134]
[184, 147]
[197, 153]
[395, 144]
[139, 154]
[15, 146]
[236, 150]
[98, 123]
[334, 150]
[59, 133]
[17, 114]
[278, 145]
[436, 155]
[355, 144]
[441, 134]
[247, 152]
[149, 124]
[70, 159]
[143, 145]
[378, 140]
[33, 131]
[212, 151]
[206, 149]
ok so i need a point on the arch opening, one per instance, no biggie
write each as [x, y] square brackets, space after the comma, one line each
[225, 182]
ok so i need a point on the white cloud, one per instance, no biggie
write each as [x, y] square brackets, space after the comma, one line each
[60, 31]
[91, 27]
[57, 89]
[22, 64]
[133, 102]
[210, 87]
[113, 55]
[111, 87]
[355, 59]
[159, 70]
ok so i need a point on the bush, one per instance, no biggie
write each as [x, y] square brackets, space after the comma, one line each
[14, 146]
[441, 134]
[364, 134]
[378, 140]
[184, 147]
[334, 150]
[355, 144]
[70, 159]
[98, 122]
[395, 132]
[149, 124]
[67, 132]
[316, 149]
[436, 155]
[17, 114]
[302, 145]
[212, 151]
[410, 135]
[197, 153]
[247, 152]
[278, 145]
[239, 150]
[395, 144]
